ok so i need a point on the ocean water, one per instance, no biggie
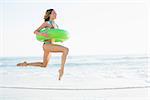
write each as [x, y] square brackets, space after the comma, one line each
[83, 67]
[81, 72]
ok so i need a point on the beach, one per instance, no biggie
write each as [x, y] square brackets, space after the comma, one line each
[86, 78]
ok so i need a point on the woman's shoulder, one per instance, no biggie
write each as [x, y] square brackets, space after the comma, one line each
[47, 24]
[44, 24]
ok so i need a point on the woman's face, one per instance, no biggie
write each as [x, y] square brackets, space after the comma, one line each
[53, 15]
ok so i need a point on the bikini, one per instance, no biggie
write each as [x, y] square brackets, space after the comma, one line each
[56, 26]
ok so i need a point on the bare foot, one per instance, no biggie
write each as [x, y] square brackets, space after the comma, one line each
[22, 64]
[61, 72]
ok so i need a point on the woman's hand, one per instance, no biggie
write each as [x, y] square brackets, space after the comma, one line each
[44, 34]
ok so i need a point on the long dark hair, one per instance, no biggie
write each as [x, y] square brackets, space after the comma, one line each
[47, 14]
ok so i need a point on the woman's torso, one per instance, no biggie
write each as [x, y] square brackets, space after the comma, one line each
[53, 25]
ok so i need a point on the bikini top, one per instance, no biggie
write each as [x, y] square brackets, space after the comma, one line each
[53, 24]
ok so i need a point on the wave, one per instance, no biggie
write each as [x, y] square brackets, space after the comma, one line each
[81, 61]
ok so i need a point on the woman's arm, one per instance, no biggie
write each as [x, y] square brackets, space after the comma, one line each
[45, 24]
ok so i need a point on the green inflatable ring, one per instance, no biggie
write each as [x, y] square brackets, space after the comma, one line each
[58, 34]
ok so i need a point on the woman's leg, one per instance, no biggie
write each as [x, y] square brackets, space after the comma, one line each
[37, 64]
[58, 48]
[46, 58]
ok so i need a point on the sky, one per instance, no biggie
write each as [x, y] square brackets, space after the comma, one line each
[104, 27]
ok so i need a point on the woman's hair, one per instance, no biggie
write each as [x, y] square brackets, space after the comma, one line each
[47, 14]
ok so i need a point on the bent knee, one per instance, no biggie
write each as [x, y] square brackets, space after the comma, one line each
[44, 65]
[66, 50]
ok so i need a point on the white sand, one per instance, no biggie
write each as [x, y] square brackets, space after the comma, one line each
[73, 79]
[25, 94]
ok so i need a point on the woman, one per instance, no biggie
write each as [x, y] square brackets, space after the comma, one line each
[48, 45]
